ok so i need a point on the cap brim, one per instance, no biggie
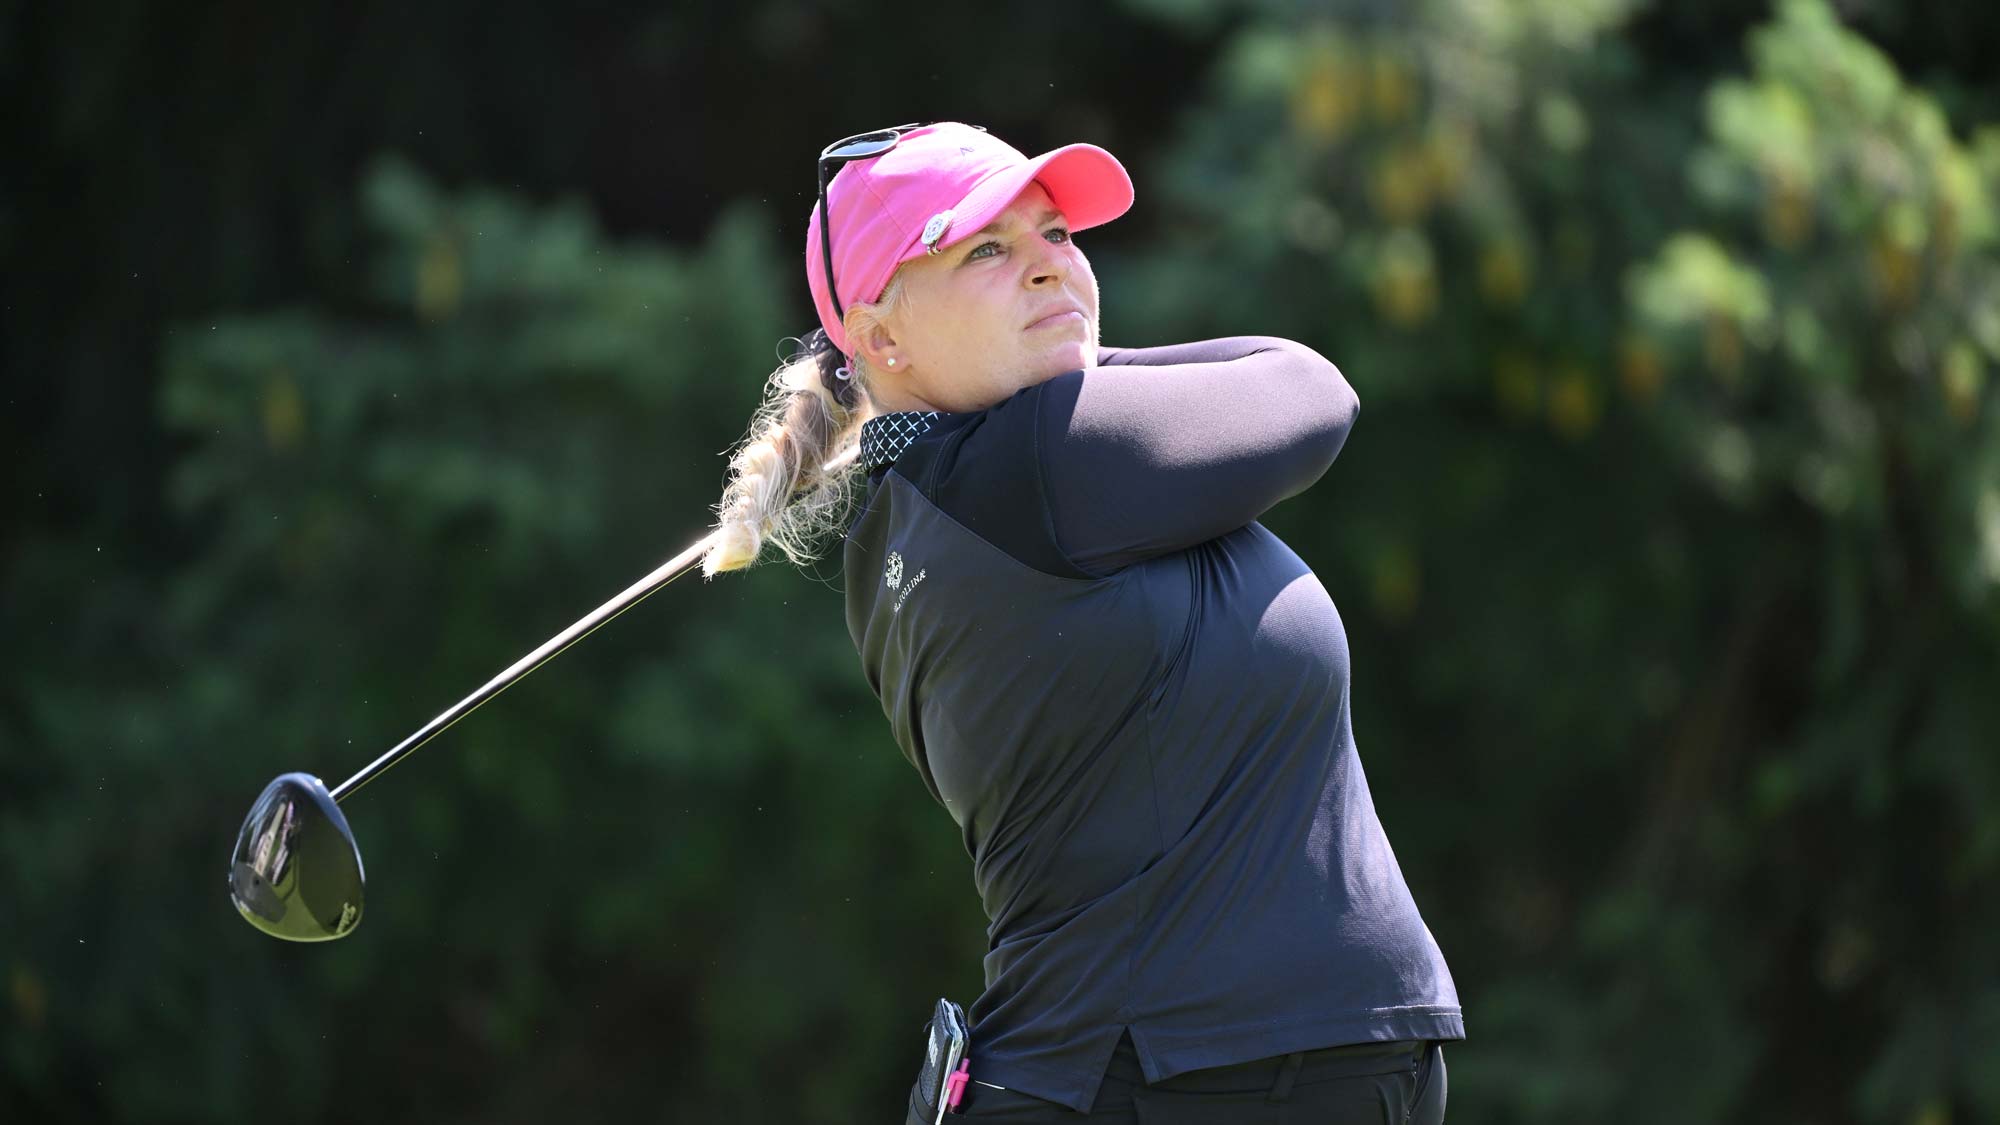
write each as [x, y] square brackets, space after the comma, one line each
[1087, 184]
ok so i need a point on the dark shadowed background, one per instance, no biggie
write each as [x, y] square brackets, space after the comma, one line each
[353, 350]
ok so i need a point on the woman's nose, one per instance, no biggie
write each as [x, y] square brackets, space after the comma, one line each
[1050, 267]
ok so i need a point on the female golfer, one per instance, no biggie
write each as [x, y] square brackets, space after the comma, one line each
[1130, 696]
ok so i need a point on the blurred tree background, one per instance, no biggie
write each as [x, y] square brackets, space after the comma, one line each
[351, 352]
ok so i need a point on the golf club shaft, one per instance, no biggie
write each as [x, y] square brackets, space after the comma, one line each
[634, 594]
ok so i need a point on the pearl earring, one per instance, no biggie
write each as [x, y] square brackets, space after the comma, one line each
[892, 361]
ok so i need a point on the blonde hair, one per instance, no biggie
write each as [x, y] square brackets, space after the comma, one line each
[777, 493]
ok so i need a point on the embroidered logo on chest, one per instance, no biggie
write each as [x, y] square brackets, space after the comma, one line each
[893, 576]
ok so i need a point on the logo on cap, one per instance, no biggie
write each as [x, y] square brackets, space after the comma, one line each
[935, 229]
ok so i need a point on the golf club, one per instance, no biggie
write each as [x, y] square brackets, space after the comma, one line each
[296, 871]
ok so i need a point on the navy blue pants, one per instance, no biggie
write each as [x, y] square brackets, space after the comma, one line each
[1367, 1084]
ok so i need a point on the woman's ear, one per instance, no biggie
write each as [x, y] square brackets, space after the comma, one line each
[875, 343]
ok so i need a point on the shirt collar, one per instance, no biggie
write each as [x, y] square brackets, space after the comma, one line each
[885, 436]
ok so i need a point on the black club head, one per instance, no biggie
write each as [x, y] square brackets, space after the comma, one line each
[296, 871]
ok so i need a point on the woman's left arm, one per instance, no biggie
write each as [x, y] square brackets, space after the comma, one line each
[1200, 351]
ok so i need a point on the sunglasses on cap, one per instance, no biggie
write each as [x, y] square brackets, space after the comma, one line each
[860, 146]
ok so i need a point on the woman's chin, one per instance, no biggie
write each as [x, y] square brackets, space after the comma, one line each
[1068, 356]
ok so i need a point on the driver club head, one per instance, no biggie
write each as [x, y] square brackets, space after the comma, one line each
[296, 871]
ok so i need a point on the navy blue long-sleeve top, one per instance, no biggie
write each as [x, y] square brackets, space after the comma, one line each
[1133, 700]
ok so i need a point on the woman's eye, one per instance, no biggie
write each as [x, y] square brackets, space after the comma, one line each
[1057, 235]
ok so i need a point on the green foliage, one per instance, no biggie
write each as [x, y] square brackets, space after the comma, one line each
[1855, 389]
[1668, 545]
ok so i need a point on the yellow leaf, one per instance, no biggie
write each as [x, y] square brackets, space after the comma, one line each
[1503, 272]
[1574, 404]
[440, 281]
[284, 412]
[1640, 370]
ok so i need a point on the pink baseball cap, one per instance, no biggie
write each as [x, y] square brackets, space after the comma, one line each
[940, 184]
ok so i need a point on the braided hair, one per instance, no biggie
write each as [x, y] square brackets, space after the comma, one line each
[812, 410]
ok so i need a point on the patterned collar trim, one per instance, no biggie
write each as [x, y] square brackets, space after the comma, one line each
[885, 436]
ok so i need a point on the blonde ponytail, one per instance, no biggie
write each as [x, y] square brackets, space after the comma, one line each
[777, 493]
